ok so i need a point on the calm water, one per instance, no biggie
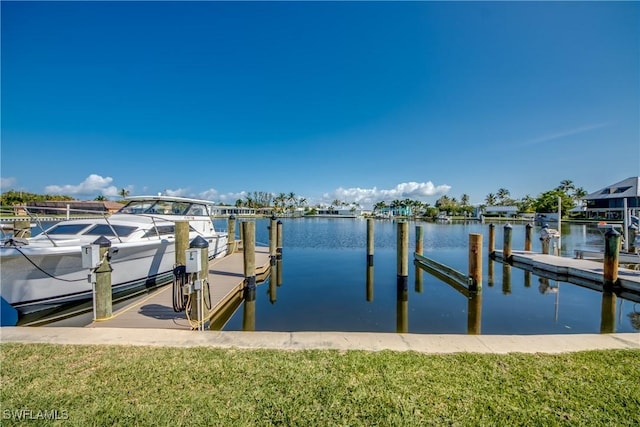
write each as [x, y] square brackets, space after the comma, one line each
[324, 285]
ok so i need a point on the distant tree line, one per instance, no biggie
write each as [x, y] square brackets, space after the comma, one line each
[283, 202]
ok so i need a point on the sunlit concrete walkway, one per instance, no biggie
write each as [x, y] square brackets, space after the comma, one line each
[322, 340]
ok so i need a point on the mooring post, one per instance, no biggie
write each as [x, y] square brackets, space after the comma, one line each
[249, 257]
[527, 237]
[475, 261]
[103, 303]
[545, 246]
[492, 239]
[272, 240]
[182, 241]
[279, 240]
[231, 238]
[419, 239]
[611, 252]
[22, 228]
[370, 244]
[506, 249]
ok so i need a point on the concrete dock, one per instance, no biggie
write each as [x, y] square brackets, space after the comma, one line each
[156, 311]
[578, 271]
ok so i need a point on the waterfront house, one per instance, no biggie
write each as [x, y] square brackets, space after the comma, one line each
[609, 202]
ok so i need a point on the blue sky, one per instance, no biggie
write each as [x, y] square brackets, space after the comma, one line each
[359, 101]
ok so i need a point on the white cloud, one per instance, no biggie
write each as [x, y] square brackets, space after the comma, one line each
[368, 196]
[92, 185]
[7, 183]
[180, 192]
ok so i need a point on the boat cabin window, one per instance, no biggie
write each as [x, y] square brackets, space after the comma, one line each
[197, 209]
[161, 230]
[67, 228]
[136, 207]
[105, 230]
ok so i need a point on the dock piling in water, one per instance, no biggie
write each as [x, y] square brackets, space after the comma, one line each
[611, 253]
[370, 244]
[506, 249]
[272, 240]
[492, 239]
[527, 237]
[279, 240]
[402, 277]
[475, 261]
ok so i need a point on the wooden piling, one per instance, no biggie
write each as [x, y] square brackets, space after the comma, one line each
[272, 240]
[249, 258]
[182, 241]
[506, 249]
[279, 240]
[231, 231]
[527, 237]
[475, 261]
[611, 254]
[103, 301]
[419, 240]
[370, 244]
[22, 228]
[545, 246]
[492, 239]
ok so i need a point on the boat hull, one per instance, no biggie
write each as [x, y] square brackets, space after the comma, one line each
[41, 280]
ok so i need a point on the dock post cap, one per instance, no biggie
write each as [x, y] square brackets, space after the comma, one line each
[508, 225]
[279, 222]
[232, 217]
[611, 232]
[199, 242]
[273, 217]
[103, 242]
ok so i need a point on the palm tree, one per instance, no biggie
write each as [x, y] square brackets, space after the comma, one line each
[124, 193]
[566, 185]
[379, 206]
[503, 193]
[100, 198]
[464, 200]
[490, 199]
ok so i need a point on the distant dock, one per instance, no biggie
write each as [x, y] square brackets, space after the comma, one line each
[156, 311]
[577, 271]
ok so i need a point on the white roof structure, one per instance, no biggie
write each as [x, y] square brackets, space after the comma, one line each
[629, 187]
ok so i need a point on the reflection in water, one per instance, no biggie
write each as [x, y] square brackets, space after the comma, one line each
[527, 279]
[402, 305]
[272, 291]
[279, 272]
[474, 313]
[490, 273]
[369, 282]
[608, 316]
[249, 307]
[419, 279]
[506, 279]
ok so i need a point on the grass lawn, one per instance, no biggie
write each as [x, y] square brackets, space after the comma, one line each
[118, 385]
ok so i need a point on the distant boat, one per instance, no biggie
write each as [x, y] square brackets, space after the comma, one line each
[443, 217]
[44, 272]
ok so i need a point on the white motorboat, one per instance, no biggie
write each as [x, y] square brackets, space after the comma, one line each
[42, 273]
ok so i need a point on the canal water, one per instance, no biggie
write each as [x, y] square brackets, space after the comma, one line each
[325, 287]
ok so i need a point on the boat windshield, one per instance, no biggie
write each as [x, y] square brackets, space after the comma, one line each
[106, 230]
[67, 228]
[163, 207]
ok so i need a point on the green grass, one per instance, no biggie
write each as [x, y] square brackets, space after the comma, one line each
[117, 385]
